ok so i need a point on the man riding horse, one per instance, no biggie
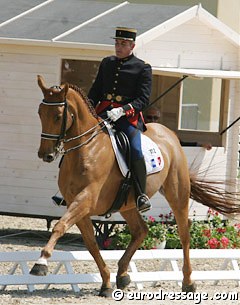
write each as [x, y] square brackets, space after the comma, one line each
[120, 92]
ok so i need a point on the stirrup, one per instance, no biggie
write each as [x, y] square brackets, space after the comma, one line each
[143, 203]
[59, 201]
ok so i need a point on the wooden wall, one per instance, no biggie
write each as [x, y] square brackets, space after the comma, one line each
[26, 183]
[191, 45]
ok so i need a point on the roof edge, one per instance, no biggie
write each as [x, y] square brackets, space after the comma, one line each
[55, 44]
[219, 25]
[168, 25]
[197, 73]
[90, 20]
[25, 12]
[196, 11]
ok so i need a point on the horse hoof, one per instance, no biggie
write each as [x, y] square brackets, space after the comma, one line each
[39, 269]
[189, 288]
[106, 292]
[123, 281]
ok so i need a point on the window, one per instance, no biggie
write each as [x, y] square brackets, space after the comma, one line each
[79, 72]
[200, 104]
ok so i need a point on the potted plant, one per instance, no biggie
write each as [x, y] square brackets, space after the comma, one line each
[215, 233]
[156, 237]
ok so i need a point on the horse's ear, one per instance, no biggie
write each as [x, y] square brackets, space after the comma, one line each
[65, 88]
[41, 83]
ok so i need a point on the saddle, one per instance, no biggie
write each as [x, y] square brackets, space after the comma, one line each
[121, 146]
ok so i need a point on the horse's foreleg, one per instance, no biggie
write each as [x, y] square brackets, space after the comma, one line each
[72, 215]
[138, 230]
[86, 228]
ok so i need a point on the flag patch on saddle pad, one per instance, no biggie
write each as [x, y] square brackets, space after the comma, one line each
[152, 154]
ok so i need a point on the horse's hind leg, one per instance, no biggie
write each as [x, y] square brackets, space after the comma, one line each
[183, 230]
[138, 230]
[177, 195]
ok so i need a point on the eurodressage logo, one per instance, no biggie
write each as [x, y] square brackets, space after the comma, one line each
[196, 297]
[161, 295]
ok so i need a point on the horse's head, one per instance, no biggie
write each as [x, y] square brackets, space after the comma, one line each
[55, 119]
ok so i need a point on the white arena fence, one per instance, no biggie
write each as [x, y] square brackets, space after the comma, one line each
[18, 266]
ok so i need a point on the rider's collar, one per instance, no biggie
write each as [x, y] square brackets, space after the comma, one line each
[126, 58]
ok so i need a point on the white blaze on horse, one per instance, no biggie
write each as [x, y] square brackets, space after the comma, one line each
[89, 178]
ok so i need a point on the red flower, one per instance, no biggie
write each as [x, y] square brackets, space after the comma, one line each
[207, 232]
[221, 230]
[224, 241]
[151, 218]
[210, 212]
[213, 243]
[107, 243]
[237, 225]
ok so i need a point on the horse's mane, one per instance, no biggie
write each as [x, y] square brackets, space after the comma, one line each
[85, 99]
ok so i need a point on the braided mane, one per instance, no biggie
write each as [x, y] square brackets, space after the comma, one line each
[85, 98]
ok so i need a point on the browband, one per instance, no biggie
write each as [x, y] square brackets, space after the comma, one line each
[44, 102]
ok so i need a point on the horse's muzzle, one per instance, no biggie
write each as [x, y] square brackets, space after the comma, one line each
[47, 157]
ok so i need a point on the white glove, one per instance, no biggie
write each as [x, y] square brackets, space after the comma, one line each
[115, 113]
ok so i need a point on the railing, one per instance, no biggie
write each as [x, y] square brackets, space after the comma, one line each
[167, 258]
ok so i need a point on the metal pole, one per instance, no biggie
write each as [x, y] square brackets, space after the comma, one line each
[224, 130]
[165, 92]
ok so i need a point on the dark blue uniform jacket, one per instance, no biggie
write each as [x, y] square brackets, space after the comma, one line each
[123, 82]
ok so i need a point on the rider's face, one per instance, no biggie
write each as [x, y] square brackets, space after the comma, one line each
[123, 48]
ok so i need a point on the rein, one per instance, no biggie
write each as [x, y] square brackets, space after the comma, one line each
[61, 137]
[96, 132]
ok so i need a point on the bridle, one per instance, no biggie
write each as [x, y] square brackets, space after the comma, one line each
[60, 138]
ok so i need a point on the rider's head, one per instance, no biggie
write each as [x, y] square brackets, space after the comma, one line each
[124, 41]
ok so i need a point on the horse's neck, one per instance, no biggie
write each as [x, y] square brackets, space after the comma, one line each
[84, 124]
[83, 118]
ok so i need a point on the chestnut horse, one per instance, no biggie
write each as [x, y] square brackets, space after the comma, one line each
[89, 178]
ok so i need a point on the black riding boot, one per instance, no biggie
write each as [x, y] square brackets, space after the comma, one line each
[140, 175]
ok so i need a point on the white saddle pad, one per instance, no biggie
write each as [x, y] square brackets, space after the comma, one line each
[152, 154]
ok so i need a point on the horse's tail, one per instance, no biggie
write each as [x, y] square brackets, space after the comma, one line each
[211, 194]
